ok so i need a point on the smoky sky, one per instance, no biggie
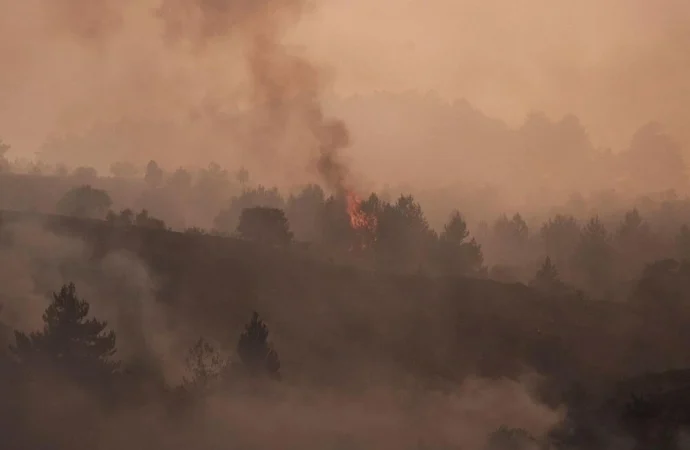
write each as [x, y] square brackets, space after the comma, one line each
[198, 66]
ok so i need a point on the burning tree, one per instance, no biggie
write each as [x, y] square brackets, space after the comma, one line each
[363, 220]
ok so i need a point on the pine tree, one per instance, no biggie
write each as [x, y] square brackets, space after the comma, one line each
[547, 278]
[69, 341]
[255, 352]
[457, 254]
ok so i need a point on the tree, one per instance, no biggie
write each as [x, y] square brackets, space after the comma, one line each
[457, 254]
[512, 231]
[228, 219]
[635, 244]
[255, 352]
[305, 212]
[510, 238]
[125, 218]
[205, 364]
[69, 341]
[144, 220]
[594, 256]
[242, 177]
[123, 169]
[85, 174]
[4, 164]
[265, 225]
[683, 243]
[181, 180]
[213, 182]
[336, 230]
[547, 279]
[84, 201]
[664, 285]
[560, 236]
[403, 237]
[632, 224]
[154, 174]
[654, 161]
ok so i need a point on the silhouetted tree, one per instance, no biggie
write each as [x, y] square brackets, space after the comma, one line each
[144, 220]
[4, 163]
[305, 213]
[336, 230]
[560, 236]
[457, 254]
[554, 154]
[213, 185]
[634, 244]
[85, 174]
[547, 278]
[124, 218]
[265, 225]
[195, 231]
[123, 169]
[664, 285]
[403, 239]
[632, 224]
[242, 177]
[594, 256]
[4, 148]
[509, 239]
[69, 341]
[84, 201]
[255, 352]
[180, 180]
[228, 219]
[153, 175]
[512, 231]
[654, 160]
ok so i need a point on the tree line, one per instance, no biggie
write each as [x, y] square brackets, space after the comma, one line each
[598, 256]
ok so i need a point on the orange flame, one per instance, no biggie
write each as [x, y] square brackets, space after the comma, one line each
[360, 221]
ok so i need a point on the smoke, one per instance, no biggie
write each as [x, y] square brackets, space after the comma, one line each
[380, 418]
[250, 83]
[284, 98]
[178, 76]
[119, 288]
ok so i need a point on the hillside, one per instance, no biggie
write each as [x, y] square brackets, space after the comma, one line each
[334, 324]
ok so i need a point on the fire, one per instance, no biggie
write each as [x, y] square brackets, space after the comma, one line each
[363, 223]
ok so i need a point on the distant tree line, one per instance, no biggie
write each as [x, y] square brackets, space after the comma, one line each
[565, 255]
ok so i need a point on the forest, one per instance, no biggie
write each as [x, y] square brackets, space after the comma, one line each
[344, 224]
[334, 317]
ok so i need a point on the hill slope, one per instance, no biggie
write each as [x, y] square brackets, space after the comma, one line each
[335, 324]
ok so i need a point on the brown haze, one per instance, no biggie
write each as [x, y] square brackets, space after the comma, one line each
[224, 81]
[122, 290]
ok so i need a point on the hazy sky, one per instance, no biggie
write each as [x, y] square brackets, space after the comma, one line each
[617, 64]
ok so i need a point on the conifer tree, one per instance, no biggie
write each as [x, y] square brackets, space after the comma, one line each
[255, 351]
[69, 341]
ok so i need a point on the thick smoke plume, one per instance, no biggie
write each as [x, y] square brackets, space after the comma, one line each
[285, 88]
[208, 76]
[186, 83]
